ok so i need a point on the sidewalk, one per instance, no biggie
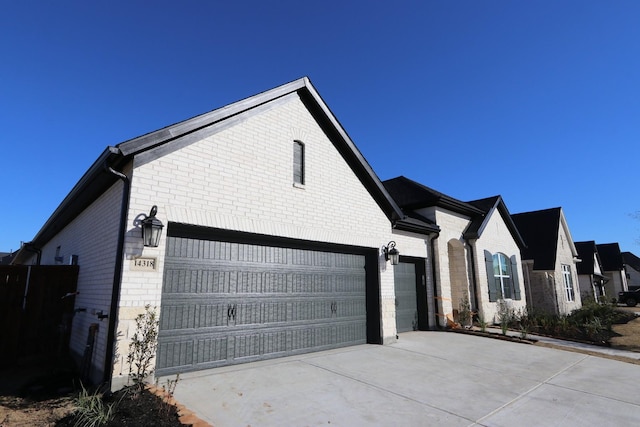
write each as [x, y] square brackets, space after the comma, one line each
[572, 345]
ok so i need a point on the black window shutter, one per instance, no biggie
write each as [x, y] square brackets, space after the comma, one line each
[491, 280]
[514, 277]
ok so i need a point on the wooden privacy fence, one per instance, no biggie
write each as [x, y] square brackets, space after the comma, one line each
[36, 309]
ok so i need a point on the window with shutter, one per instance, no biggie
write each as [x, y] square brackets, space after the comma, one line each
[514, 276]
[491, 280]
[503, 275]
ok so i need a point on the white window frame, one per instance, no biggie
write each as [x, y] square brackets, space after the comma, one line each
[567, 279]
[502, 278]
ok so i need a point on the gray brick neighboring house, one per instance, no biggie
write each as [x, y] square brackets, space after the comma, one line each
[613, 266]
[590, 273]
[476, 254]
[632, 270]
[549, 261]
[275, 230]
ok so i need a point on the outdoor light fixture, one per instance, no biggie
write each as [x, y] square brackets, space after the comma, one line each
[152, 229]
[391, 253]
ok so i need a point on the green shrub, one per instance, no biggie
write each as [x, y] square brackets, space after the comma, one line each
[142, 348]
[91, 410]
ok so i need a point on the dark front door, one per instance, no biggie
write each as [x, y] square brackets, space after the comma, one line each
[410, 288]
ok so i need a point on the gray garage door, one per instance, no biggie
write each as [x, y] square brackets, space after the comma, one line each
[406, 299]
[225, 303]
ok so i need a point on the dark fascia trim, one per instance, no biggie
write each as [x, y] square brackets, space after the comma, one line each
[458, 206]
[190, 231]
[177, 130]
[95, 181]
[318, 108]
[336, 132]
[412, 227]
[442, 201]
[506, 216]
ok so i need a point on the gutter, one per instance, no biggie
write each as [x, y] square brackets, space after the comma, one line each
[117, 275]
[30, 247]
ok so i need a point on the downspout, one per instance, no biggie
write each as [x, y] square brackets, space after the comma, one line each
[474, 279]
[117, 276]
[32, 248]
[434, 277]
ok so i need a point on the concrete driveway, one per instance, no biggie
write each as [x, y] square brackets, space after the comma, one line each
[425, 379]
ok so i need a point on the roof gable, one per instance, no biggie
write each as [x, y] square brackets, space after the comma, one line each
[610, 256]
[152, 145]
[540, 230]
[588, 253]
[412, 195]
[631, 260]
[488, 206]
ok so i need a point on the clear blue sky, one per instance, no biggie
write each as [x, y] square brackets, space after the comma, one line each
[538, 101]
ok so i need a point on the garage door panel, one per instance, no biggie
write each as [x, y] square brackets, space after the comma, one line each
[191, 313]
[206, 350]
[181, 280]
[235, 302]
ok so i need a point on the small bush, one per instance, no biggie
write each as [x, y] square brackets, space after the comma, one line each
[91, 410]
[506, 316]
[142, 348]
[465, 315]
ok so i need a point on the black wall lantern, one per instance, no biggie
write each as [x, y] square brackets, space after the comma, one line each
[152, 229]
[391, 253]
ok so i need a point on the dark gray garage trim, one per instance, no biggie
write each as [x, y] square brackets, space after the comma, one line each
[233, 297]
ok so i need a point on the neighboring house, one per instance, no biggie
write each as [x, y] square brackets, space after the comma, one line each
[632, 270]
[476, 254]
[590, 277]
[273, 243]
[549, 261]
[7, 257]
[613, 267]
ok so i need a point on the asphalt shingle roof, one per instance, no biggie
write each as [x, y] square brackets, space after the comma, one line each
[632, 260]
[610, 256]
[539, 230]
[586, 251]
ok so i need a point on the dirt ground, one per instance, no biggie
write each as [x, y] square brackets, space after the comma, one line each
[25, 400]
[42, 394]
[630, 333]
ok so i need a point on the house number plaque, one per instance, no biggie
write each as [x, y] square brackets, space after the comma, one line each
[143, 264]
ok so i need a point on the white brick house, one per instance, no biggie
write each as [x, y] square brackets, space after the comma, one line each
[613, 269]
[591, 279]
[476, 239]
[273, 239]
[551, 276]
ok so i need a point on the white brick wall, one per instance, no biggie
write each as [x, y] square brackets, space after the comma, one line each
[546, 289]
[93, 237]
[495, 238]
[452, 225]
[564, 255]
[242, 179]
